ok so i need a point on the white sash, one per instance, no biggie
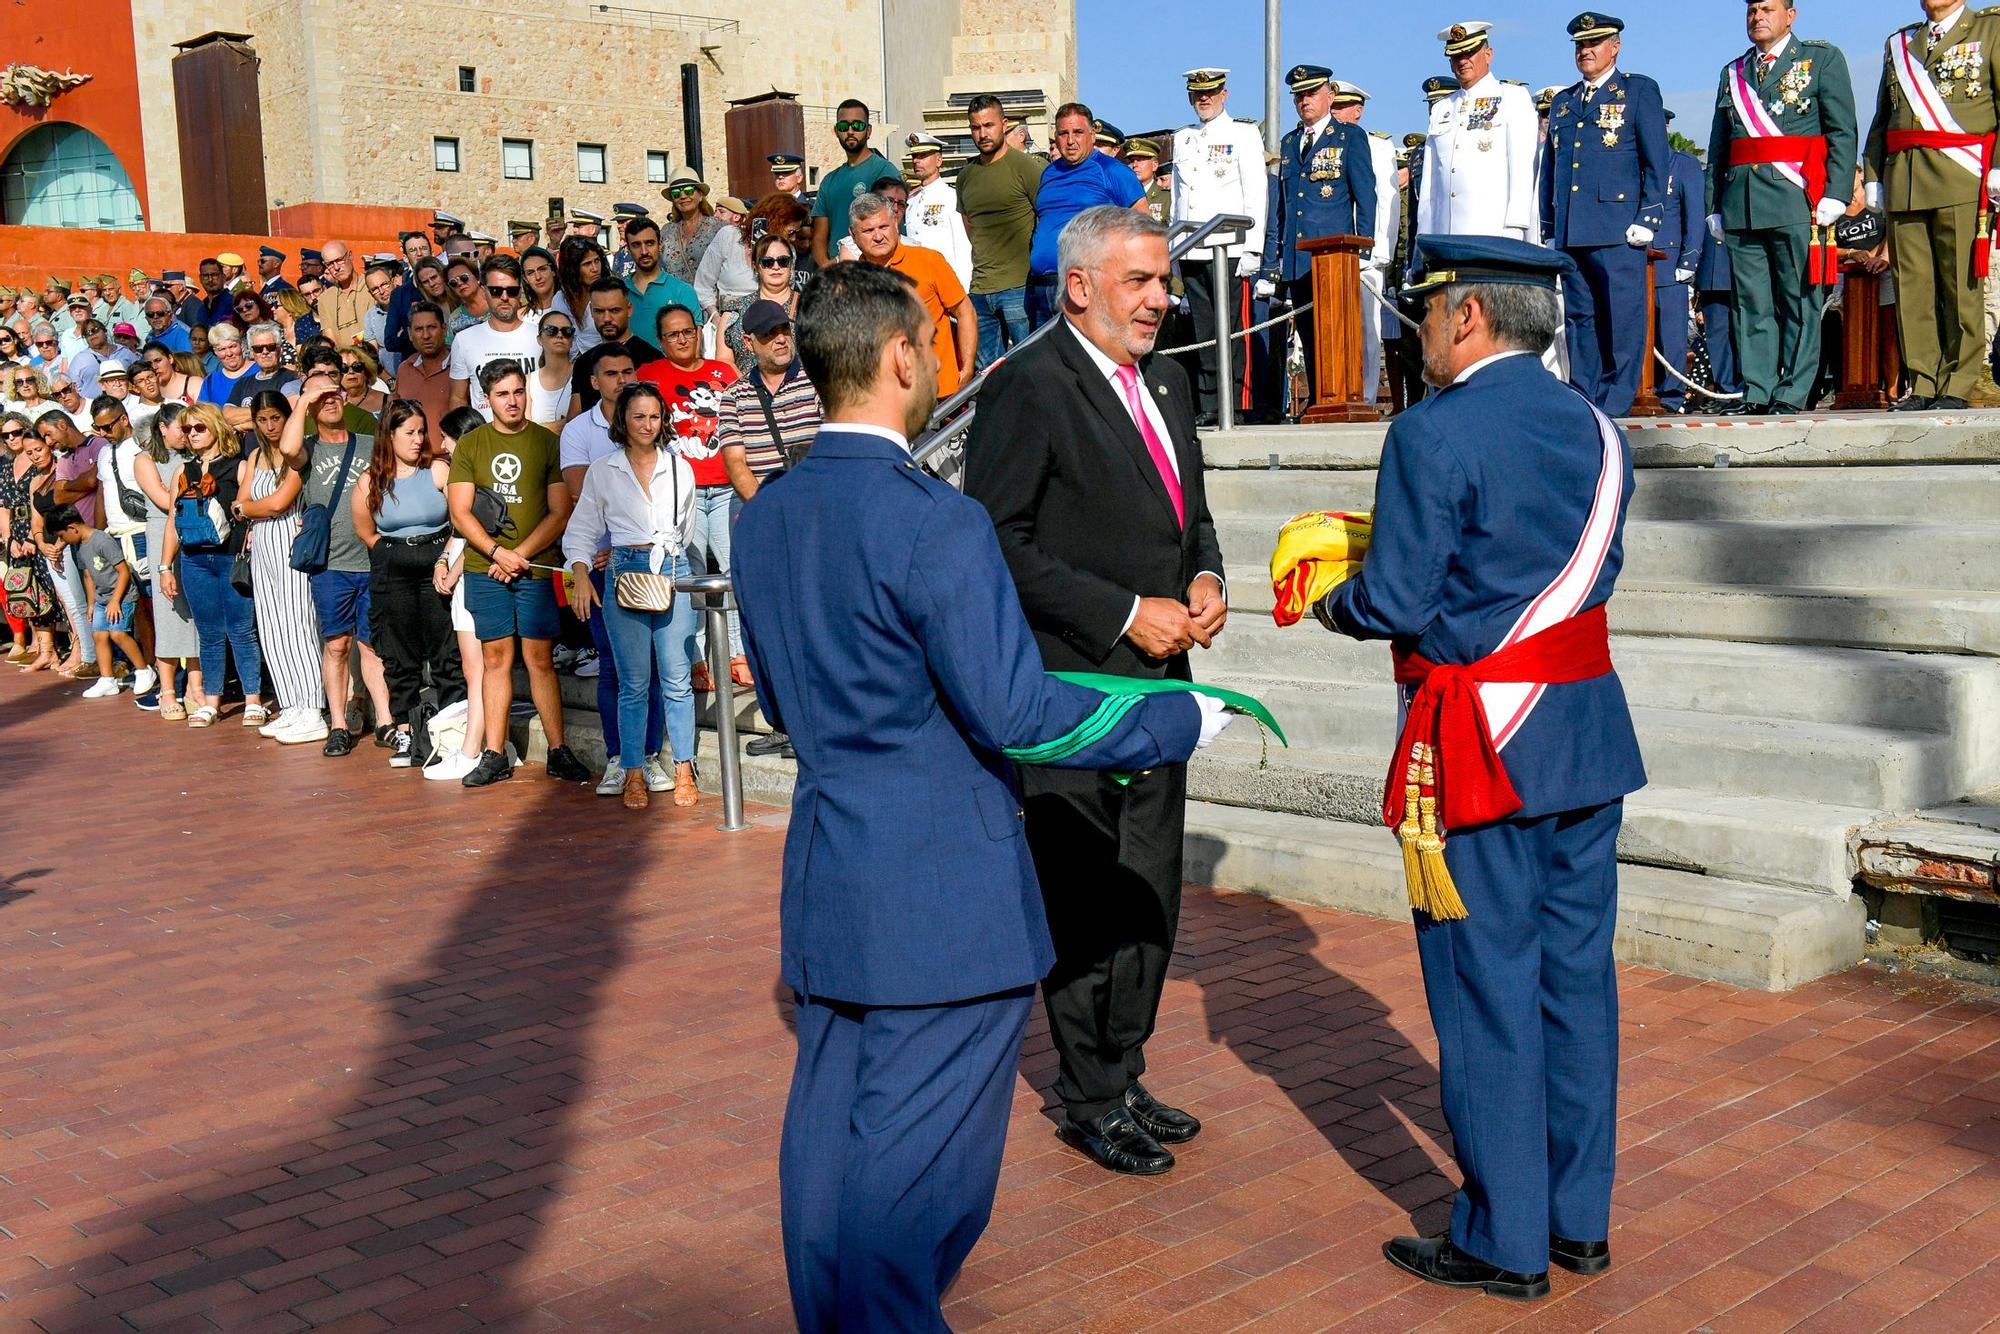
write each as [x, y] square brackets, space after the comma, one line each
[1929, 108]
[1757, 119]
[1508, 703]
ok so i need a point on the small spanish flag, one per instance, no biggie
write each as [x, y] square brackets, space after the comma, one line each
[1316, 553]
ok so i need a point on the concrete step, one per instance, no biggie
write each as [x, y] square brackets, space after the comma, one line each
[1841, 763]
[1969, 492]
[1915, 691]
[580, 693]
[1699, 926]
[1920, 620]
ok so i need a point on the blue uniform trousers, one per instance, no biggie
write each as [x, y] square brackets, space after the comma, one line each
[1715, 332]
[1604, 304]
[1524, 1000]
[891, 1154]
[1671, 338]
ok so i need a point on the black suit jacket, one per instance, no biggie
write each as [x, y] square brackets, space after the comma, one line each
[1082, 514]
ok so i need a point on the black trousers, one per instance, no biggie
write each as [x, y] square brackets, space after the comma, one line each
[410, 624]
[1109, 859]
[1198, 277]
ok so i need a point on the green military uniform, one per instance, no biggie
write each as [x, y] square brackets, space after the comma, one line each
[1767, 219]
[1934, 204]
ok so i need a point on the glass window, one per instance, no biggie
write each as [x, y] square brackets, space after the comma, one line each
[590, 164]
[62, 175]
[517, 159]
[444, 154]
[467, 79]
[656, 167]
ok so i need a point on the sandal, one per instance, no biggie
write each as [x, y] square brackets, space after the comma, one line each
[703, 683]
[41, 664]
[636, 797]
[202, 717]
[172, 711]
[685, 792]
[255, 715]
[739, 671]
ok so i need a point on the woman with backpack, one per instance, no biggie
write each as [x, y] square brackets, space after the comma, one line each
[287, 625]
[198, 553]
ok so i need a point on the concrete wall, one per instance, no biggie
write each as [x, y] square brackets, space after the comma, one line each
[918, 40]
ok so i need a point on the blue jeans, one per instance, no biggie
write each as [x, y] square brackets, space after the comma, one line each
[224, 621]
[1003, 322]
[68, 582]
[607, 685]
[653, 651]
[715, 511]
[1042, 299]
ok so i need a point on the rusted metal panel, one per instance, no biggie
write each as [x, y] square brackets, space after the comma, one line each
[221, 135]
[754, 129]
[1969, 873]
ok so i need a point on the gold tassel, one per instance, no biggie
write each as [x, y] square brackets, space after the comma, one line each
[1406, 833]
[1441, 894]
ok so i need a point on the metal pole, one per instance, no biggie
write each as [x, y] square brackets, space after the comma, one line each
[1225, 382]
[1271, 80]
[715, 589]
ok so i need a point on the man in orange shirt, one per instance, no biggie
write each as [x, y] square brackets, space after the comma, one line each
[877, 233]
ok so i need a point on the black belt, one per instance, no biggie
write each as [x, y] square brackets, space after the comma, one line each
[420, 540]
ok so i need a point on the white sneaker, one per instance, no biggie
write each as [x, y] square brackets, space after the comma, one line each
[278, 722]
[613, 781]
[586, 664]
[104, 688]
[144, 679]
[659, 777]
[302, 728]
[451, 768]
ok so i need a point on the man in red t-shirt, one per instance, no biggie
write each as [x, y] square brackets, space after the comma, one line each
[692, 386]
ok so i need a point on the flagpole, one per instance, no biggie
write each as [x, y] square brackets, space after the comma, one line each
[1271, 81]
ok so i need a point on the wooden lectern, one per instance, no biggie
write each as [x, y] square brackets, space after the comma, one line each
[1337, 314]
[1647, 404]
[1872, 367]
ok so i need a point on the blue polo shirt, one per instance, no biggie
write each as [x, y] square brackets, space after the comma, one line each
[1067, 191]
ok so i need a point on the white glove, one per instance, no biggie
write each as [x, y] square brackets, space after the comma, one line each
[1247, 264]
[1992, 181]
[1828, 210]
[1265, 289]
[1715, 225]
[1215, 716]
[1871, 194]
[1636, 235]
[1683, 275]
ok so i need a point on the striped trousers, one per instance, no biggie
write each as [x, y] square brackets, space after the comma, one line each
[287, 625]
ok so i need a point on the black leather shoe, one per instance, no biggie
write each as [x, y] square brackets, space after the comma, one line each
[1745, 409]
[1579, 1257]
[1911, 403]
[1436, 1260]
[1949, 403]
[1207, 421]
[565, 767]
[1167, 1125]
[771, 743]
[1117, 1144]
[1784, 410]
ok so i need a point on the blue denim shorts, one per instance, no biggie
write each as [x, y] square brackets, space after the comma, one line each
[100, 615]
[525, 607]
[341, 599]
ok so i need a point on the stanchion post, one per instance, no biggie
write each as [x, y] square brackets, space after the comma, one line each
[1225, 380]
[714, 589]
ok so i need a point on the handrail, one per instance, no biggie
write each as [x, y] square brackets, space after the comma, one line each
[715, 589]
[947, 422]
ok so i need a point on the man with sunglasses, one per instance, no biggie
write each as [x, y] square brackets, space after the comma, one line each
[502, 336]
[163, 328]
[70, 399]
[846, 183]
[268, 371]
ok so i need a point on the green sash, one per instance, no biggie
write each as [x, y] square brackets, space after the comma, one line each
[1121, 695]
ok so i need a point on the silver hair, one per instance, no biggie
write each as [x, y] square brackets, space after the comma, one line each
[1520, 316]
[1089, 236]
[223, 332]
[262, 327]
[865, 206]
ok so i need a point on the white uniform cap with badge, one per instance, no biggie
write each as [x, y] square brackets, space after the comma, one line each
[1206, 79]
[1347, 94]
[1462, 39]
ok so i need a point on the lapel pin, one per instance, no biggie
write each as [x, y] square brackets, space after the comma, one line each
[1161, 391]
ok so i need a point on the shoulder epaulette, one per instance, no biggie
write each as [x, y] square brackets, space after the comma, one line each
[1814, 41]
[1992, 12]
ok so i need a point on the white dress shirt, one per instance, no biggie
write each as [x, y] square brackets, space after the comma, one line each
[616, 510]
[1484, 362]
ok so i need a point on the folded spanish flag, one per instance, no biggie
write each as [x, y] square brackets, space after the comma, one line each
[1316, 553]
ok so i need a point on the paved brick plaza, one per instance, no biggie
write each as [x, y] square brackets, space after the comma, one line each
[294, 1042]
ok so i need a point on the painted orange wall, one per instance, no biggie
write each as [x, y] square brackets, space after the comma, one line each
[28, 255]
[91, 37]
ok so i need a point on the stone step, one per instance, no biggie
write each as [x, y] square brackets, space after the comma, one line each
[1921, 620]
[580, 693]
[1842, 763]
[1699, 926]
[1929, 494]
[1916, 691]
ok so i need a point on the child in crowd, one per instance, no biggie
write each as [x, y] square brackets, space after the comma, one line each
[113, 599]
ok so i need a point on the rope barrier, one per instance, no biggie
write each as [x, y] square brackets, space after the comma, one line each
[1715, 394]
[1291, 314]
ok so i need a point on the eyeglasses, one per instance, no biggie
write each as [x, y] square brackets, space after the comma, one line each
[776, 261]
[511, 290]
[849, 126]
[557, 331]
[261, 348]
[680, 333]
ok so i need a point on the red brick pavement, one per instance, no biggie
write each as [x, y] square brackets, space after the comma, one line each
[291, 1042]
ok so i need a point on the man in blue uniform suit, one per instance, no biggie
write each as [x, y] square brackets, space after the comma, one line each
[1499, 518]
[1604, 185]
[1681, 239]
[888, 642]
[1713, 298]
[1326, 187]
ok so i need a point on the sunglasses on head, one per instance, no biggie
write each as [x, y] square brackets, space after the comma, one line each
[776, 261]
[849, 126]
[511, 289]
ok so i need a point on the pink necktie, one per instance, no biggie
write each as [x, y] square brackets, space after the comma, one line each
[1128, 376]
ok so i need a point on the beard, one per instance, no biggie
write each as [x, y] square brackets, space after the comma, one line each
[923, 398]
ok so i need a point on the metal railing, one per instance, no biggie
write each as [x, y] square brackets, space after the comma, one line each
[633, 16]
[715, 591]
[953, 417]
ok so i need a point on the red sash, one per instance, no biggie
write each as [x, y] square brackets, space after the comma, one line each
[1822, 258]
[1469, 780]
[1906, 141]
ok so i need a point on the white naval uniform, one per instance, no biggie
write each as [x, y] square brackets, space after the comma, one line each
[933, 220]
[1219, 168]
[1388, 221]
[1480, 159]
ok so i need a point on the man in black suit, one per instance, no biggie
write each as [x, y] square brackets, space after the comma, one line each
[1084, 452]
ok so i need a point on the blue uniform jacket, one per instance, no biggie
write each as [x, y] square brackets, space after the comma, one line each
[1712, 273]
[1333, 194]
[888, 641]
[1604, 164]
[1484, 491]
[1686, 229]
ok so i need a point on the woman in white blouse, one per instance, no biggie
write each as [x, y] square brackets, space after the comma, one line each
[640, 499]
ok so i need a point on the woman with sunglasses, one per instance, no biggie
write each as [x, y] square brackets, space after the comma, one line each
[205, 499]
[10, 345]
[775, 266]
[640, 499]
[549, 386]
[538, 271]
[287, 625]
[176, 644]
[33, 610]
[361, 379]
[468, 299]
[580, 263]
[685, 239]
[29, 391]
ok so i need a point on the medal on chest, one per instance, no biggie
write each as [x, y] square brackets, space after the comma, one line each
[1611, 119]
[1793, 88]
[1957, 71]
[1480, 113]
[1326, 166]
[1219, 156]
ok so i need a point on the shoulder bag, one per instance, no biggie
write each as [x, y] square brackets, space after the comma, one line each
[314, 543]
[642, 590]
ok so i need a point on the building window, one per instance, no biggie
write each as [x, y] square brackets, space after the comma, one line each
[590, 164]
[656, 167]
[517, 159]
[467, 79]
[444, 154]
